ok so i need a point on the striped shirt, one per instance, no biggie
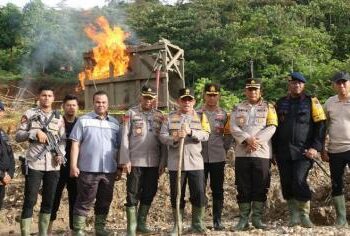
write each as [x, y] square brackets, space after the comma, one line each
[99, 142]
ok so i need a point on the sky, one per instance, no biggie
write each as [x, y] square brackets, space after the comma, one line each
[85, 4]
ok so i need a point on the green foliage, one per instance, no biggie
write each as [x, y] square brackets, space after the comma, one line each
[219, 37]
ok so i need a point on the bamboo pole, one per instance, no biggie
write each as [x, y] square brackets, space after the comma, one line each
[178, 185]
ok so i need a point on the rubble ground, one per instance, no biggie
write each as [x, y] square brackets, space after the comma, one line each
[160, 217]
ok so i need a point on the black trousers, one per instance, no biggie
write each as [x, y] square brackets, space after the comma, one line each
[93, 186]
[216, 173]
[195, 179]
[141, 185]
[31, 190]
[252, 178]
[2, 195]
[337, 164]
[293, 176]
[71, 183]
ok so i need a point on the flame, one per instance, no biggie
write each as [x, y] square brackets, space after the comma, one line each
[109, 57]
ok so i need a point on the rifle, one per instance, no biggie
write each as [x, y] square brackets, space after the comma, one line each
[52, 140]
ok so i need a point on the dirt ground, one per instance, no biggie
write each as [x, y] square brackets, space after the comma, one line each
[160, 218]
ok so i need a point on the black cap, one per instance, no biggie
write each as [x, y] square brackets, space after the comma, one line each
[252, 83]
[2, 107]
[341, 75]
[147, 91]
[297, 76]
[211, 89]
[186, 92]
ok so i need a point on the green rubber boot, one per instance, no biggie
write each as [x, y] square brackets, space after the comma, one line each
[142, 219]
[304, 211]
[294, 216]
[79, 224]
[25, 226]
[174, 231]
[131, 216]
[100, 226]
[197, 225]
[258, 211]
[340, 208]
[43, 225]
[244, 211]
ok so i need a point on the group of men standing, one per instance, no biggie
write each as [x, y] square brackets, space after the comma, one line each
[91, 149]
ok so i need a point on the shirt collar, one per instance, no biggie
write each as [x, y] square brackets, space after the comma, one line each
[96, 116]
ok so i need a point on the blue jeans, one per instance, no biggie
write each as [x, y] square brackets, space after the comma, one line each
[32, 187]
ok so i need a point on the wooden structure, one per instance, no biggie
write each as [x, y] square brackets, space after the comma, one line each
[159, 64]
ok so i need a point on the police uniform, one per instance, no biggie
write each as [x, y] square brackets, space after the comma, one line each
[141, 146]
[301, 126]
[252, 168]
[214, 152]
[192, 165]
[42, 164]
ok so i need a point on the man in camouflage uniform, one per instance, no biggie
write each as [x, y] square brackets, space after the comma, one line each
[214, 150]
[253, 123]
[43, 165]
[186, 123]
[297, 140]
[143, 156]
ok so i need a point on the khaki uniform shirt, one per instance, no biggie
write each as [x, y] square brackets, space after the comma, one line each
[214, 150]
[140, 139]
[338, 124]
[260, 121]
[193, 159]
[27, 131]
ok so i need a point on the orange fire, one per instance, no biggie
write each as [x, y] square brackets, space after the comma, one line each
[109, 57]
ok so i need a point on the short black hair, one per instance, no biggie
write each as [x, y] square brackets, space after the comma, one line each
[69, 97]
[44, 88]
[98, 93]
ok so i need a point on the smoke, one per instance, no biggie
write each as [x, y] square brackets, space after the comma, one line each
[56, 38]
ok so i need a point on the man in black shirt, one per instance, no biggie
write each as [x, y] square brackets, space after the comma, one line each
[70, 107]
[297, 140]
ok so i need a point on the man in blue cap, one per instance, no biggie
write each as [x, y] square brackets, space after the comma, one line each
[337, 152]
[297, 140]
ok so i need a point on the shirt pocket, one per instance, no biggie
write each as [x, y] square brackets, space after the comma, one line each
[303, 116]
[138, 128]
[241, 119]
[260, 119]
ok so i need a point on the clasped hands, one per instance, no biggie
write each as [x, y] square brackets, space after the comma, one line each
[253, 144]
[183, 132]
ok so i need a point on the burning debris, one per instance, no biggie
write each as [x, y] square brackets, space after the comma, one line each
[109, 57]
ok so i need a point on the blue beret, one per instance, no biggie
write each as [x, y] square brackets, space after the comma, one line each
[297, 76]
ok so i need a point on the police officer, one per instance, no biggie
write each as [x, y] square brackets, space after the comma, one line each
[186, 123]
[338, 149]
[7, 162]
[253, 123]
[143, 156]
[214, 150]
[43, 165]
[297, 140]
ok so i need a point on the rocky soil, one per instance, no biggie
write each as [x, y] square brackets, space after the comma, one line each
[322, 213]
